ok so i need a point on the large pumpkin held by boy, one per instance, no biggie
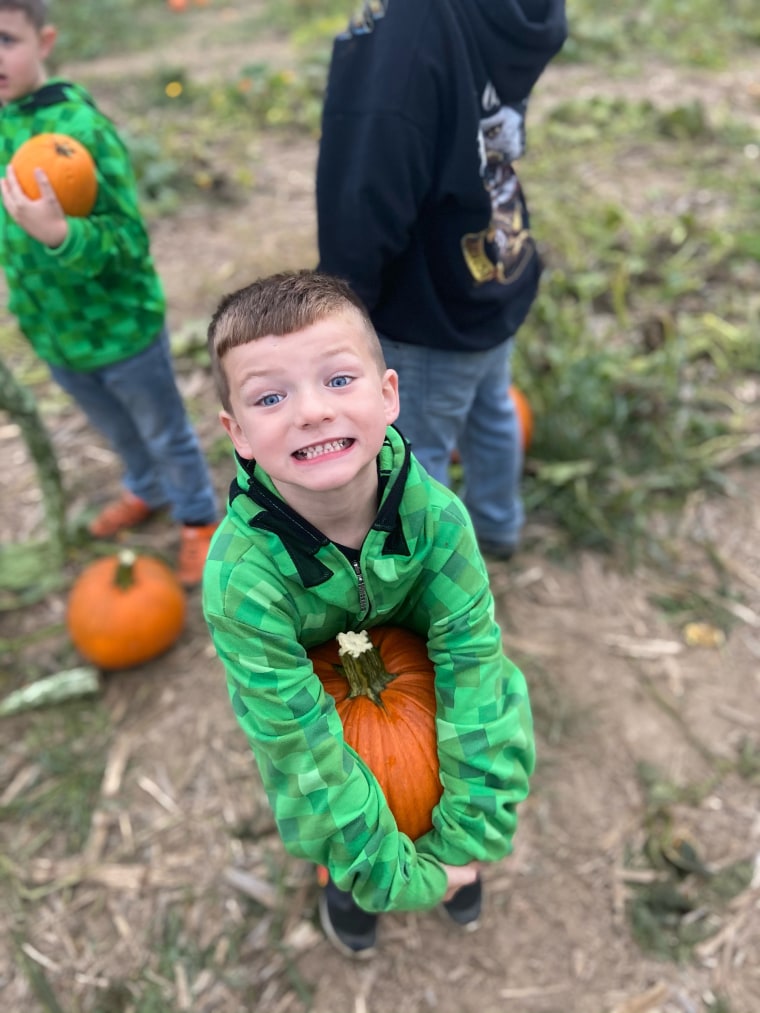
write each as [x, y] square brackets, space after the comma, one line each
[66, 163]
[382, 682]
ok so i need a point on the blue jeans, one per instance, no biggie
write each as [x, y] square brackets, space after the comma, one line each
[460, 400]
[137, 407]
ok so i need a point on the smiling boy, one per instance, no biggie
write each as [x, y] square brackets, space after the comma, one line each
[315, 424]
[332, 526]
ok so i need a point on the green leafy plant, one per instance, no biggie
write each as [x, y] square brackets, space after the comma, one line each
[92, 28]
[634, 353]
[692, 32]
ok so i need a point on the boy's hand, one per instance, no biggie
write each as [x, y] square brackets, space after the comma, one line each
[458, 876]
[42, 219]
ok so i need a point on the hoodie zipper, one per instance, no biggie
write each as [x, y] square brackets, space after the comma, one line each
[362, 587]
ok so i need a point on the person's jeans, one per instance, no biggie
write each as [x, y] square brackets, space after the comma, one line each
[460, 400]
[137, 407]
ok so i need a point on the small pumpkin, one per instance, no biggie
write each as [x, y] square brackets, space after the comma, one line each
[382, 682]
[124, 610]
[67, 164]
[524, 415]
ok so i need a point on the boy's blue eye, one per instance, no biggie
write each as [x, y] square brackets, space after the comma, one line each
[340, 381]
[269, 399]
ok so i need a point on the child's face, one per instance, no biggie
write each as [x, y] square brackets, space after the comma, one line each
[310, 407]
[23, 50]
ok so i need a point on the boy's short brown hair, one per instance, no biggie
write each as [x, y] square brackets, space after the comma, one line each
[38, 11]
[280, 304]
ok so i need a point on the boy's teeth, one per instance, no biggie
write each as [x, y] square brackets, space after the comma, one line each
[320, 448]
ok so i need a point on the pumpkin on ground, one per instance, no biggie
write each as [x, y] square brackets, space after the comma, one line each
[382, 682]
[66, 163]
[524, 415]
[124, 610]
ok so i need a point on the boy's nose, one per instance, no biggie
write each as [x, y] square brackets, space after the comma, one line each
[313, 407]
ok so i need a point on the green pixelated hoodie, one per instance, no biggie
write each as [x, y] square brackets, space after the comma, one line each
[274, 586]
[96, 299]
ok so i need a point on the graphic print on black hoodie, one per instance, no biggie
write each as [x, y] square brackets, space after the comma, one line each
[503, 250]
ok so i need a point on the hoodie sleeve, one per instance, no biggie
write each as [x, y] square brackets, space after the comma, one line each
[486, 746]
[373, 173]
[113, 235]
[328, 806]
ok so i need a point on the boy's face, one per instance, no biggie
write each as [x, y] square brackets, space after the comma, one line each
[23, 51]
[310, 407]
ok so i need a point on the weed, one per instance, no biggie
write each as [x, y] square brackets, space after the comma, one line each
[92, 28]
[684, 901]
[322, 18]
[69, 744]
[748, 761]
[641, 331]
[717, 1004]
[693, 32]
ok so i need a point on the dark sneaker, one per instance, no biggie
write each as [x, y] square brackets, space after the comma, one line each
[495, 550]
[352, 932]
[464, 907]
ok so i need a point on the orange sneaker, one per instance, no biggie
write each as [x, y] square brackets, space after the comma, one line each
[193, 550]
[126, 512]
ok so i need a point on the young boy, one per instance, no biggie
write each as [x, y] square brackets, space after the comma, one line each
[86, 295]
[333, 526]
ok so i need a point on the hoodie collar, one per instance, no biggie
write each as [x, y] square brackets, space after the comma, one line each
[300, 538]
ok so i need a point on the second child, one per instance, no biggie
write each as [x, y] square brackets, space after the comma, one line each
[87, 296]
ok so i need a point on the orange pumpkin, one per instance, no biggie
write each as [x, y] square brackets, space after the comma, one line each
[67, 164]
[382, 684]
[524, 415]
[124, 610]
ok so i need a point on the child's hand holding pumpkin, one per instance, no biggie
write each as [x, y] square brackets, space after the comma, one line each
[43, 219]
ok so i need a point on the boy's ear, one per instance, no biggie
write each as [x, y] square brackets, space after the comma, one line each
[390, 396]
[48, 35]
[236, 434]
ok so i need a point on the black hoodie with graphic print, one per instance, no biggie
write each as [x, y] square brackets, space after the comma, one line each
[418, 203]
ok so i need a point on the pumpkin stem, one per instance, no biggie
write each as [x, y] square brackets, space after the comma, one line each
[125, 575]
[363, 666]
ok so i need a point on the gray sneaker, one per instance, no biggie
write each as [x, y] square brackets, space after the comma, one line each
[496, 550]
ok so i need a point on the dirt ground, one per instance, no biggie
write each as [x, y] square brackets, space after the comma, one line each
[182, 886]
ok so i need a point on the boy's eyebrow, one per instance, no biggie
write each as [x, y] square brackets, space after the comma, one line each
[342, 349]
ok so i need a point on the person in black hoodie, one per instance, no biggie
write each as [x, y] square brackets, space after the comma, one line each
[419, 208]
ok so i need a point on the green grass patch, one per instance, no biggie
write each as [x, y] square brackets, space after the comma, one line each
[690, 32]
[676, 900]
[645, 326]
[69, 745]
[93, 28]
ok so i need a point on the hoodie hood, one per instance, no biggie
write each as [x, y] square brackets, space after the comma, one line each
[514, 39]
